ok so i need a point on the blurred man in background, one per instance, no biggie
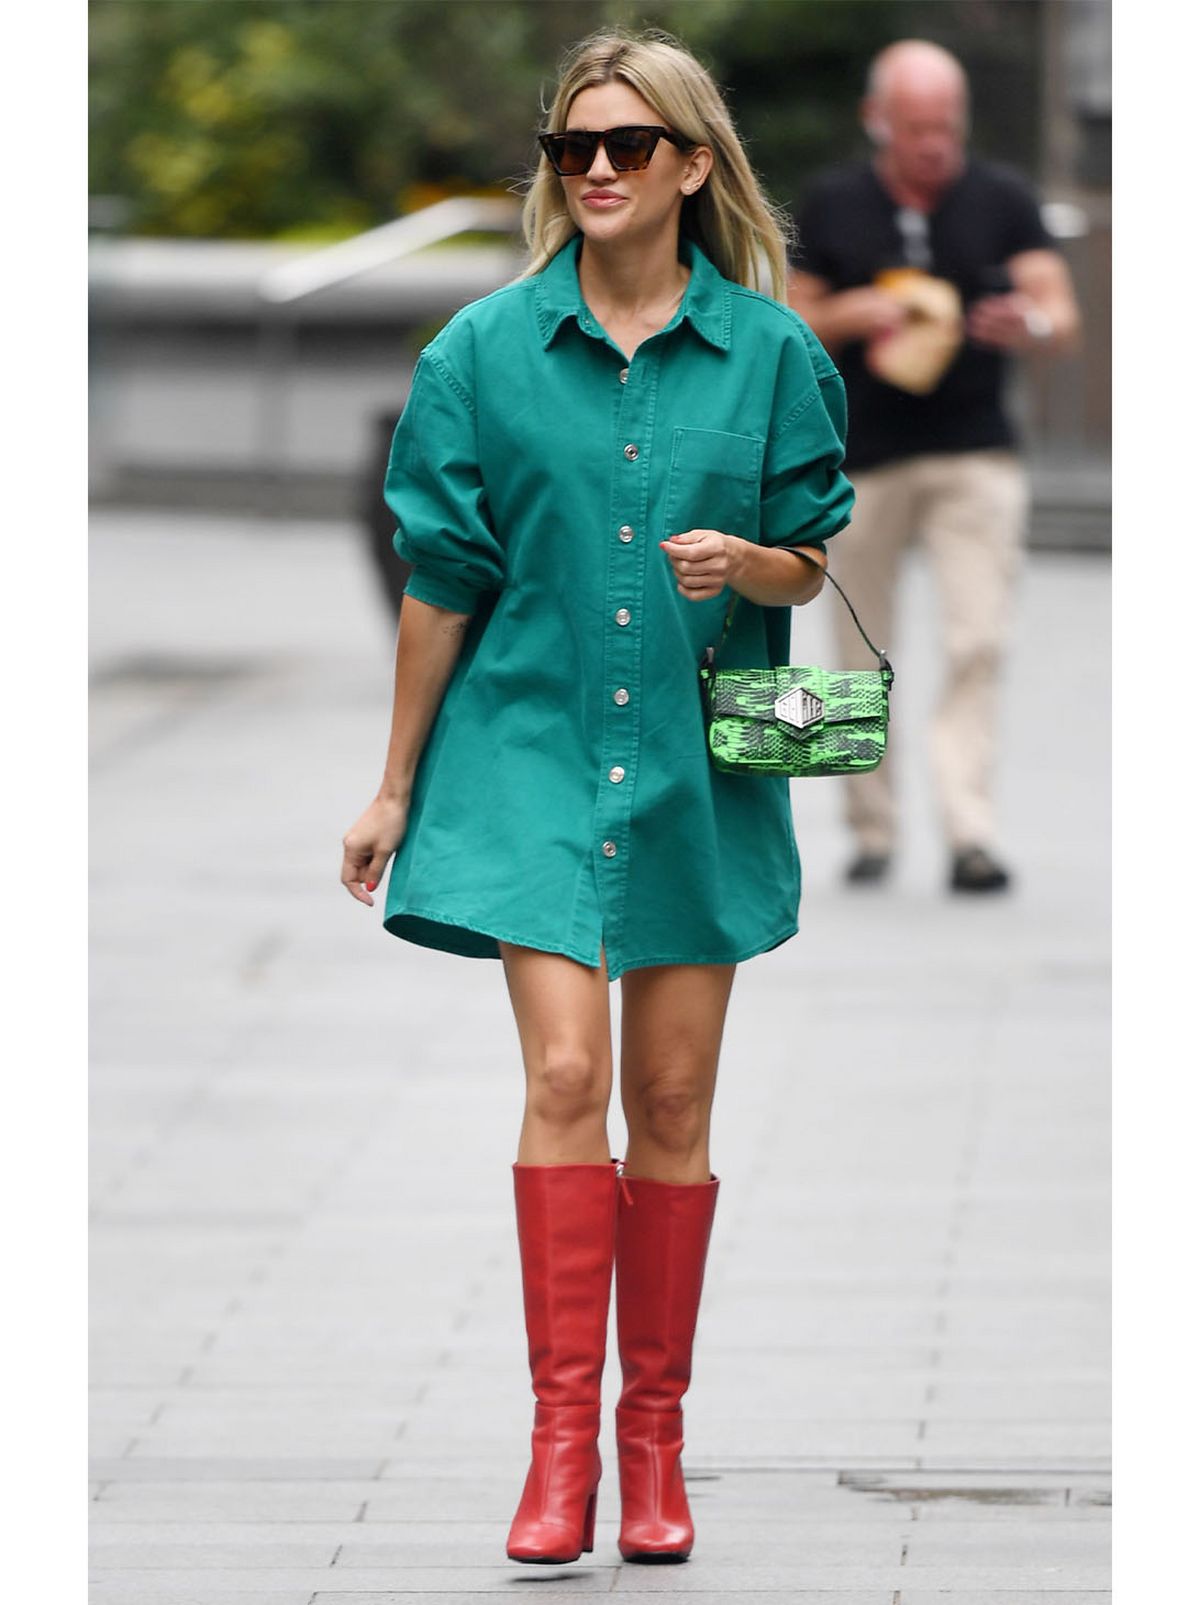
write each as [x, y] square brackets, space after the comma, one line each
[921, 270]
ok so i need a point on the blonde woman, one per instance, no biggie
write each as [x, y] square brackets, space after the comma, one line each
[592, 462]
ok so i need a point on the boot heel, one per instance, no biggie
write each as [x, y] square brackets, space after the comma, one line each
[589, 1526]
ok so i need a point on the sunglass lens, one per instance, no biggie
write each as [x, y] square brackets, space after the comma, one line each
[572, 153]
[630, 148]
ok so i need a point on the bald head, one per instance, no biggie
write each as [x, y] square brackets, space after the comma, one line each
[916, 113]
[915, 65]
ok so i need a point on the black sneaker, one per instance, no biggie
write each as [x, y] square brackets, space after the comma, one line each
[975, 870]
[868, 869]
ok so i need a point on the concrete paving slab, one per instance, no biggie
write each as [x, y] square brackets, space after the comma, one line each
[172, 1586]
[109, 1442]
[971, 1480]
[263, 1443]
[198, 1468]
[1003, 1596]
[982, 1544]
[146, 1589]
[163, 1504]
[786, 1581]
[871, 1543]
[134, 1554]
[1023, 1442]
[953, 1512]
[556, 1589]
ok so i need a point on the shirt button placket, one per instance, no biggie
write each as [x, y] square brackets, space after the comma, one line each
[621, 654]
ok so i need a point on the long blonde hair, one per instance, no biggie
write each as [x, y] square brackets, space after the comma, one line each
[729, 217]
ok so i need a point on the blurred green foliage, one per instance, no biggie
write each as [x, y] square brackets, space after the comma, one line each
[313, 119]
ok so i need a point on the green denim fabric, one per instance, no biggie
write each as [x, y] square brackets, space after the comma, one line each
[565, 800]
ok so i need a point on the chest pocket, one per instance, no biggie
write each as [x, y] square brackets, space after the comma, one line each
[714, 482]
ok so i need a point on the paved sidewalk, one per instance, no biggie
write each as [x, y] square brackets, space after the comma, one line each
[309, 1384]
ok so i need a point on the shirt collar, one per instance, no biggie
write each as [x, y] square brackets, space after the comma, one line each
[707, 303]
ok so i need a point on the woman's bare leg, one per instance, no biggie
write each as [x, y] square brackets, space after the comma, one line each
[672, 1019]
[565, 1188]
[561, 1010]
[671, 1027]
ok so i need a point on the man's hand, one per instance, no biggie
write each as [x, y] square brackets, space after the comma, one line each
[867, 313]
[836, 316]
[1008, 322]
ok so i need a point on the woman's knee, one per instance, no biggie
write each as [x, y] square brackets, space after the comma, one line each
[671, 1110]
[568, 1085]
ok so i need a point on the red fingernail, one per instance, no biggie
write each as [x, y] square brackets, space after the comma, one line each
[371, 885]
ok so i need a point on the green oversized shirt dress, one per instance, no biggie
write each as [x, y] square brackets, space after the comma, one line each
[565, 799]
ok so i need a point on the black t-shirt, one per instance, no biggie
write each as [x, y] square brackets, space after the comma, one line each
[850, 229]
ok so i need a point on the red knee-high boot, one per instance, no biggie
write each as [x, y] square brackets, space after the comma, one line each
[566, 1223]
[662, 1243]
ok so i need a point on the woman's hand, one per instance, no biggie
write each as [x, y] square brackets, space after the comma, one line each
[705, 562]
[369, 844]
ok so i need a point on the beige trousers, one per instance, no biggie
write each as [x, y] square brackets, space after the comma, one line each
[968, 510]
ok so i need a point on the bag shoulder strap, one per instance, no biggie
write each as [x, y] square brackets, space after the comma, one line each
[710, 655]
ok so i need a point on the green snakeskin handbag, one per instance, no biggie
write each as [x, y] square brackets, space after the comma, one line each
[799, 720]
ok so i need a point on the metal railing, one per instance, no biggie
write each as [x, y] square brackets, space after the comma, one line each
[282, 288]
[378, 247]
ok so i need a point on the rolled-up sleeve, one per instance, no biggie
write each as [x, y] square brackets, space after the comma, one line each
[435, 489]
[806, 497]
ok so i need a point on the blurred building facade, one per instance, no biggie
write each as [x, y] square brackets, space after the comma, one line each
[204, 394]
[1068, 416]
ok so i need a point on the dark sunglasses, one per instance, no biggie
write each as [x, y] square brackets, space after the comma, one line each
[629, 149]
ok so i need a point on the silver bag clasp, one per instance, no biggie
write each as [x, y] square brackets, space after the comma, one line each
[799, 708]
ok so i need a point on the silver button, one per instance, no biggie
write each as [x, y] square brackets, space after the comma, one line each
[609, 849]
[631, 452]
[623, 376]
[616, 774]
[622, 615]
[625, 534]
[621, 697]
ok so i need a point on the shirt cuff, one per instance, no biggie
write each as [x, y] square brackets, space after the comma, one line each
[438, 592]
